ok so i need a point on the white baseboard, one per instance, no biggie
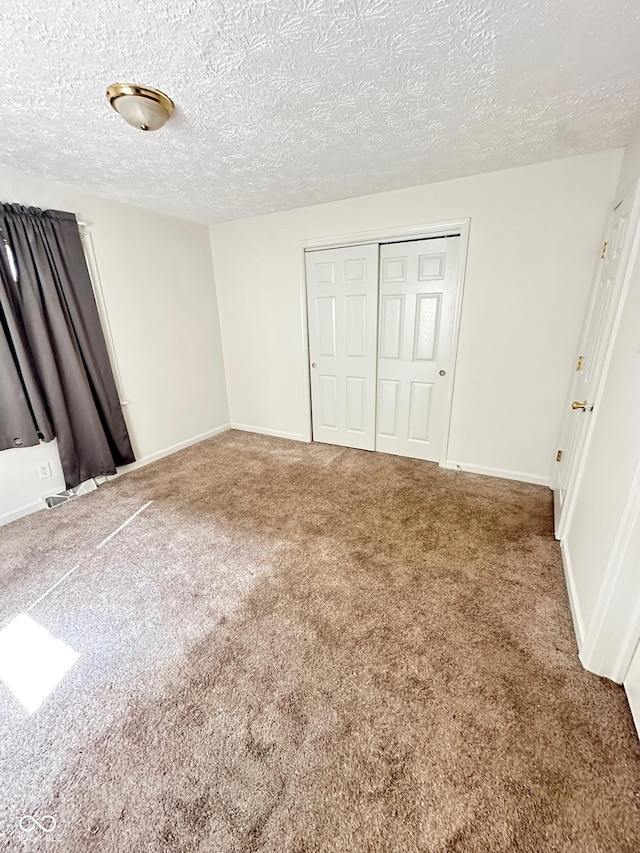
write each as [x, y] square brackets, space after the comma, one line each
[496, 472]
[20, 512]
[578, 624]
[293, 436]
[27, 509]
[153, 457]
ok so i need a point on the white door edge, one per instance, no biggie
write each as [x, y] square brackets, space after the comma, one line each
[306, 373]
[451, 228]
[572, 593]
[632, 687]
[462, 269]
[556, 511]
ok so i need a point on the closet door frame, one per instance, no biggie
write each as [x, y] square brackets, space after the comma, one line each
[453, 228]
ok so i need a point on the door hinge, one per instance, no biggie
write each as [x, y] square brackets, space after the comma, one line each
[559, 456]
[580, 362]
[604, 249]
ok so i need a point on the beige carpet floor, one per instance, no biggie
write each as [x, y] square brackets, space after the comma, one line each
[307, 648]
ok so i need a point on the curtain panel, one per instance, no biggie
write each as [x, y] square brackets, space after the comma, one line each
[55, 375]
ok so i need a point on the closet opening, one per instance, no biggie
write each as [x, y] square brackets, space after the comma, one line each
[382, 322]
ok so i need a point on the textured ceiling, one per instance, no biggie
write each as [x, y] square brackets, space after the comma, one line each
[284, 103]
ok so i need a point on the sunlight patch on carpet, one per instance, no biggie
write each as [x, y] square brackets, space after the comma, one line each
[32, 662]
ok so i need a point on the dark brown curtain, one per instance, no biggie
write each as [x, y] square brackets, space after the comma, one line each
[55, 376]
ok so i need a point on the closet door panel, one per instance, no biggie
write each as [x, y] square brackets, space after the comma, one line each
[418, 284]
[342, 301]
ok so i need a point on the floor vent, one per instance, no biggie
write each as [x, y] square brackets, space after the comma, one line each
[70, 494]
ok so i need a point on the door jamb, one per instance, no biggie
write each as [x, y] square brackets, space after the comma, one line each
[451, 228]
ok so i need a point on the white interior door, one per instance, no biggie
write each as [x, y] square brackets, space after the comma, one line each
[594, 344]
[418, 288]
[342, 298]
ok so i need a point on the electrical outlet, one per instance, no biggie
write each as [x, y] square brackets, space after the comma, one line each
[44, 470]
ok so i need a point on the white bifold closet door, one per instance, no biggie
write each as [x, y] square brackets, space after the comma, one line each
[381, 321]
[417, 298]
[342, 293]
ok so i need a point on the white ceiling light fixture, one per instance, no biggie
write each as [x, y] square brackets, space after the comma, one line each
[140, 106]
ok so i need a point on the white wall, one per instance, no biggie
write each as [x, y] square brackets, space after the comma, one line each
[605, 520]
[157, 278]
[534, 236]
[630, 169]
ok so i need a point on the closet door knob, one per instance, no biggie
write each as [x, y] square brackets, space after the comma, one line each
[313, 364]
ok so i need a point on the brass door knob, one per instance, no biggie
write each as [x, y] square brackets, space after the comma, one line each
[577, 405]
